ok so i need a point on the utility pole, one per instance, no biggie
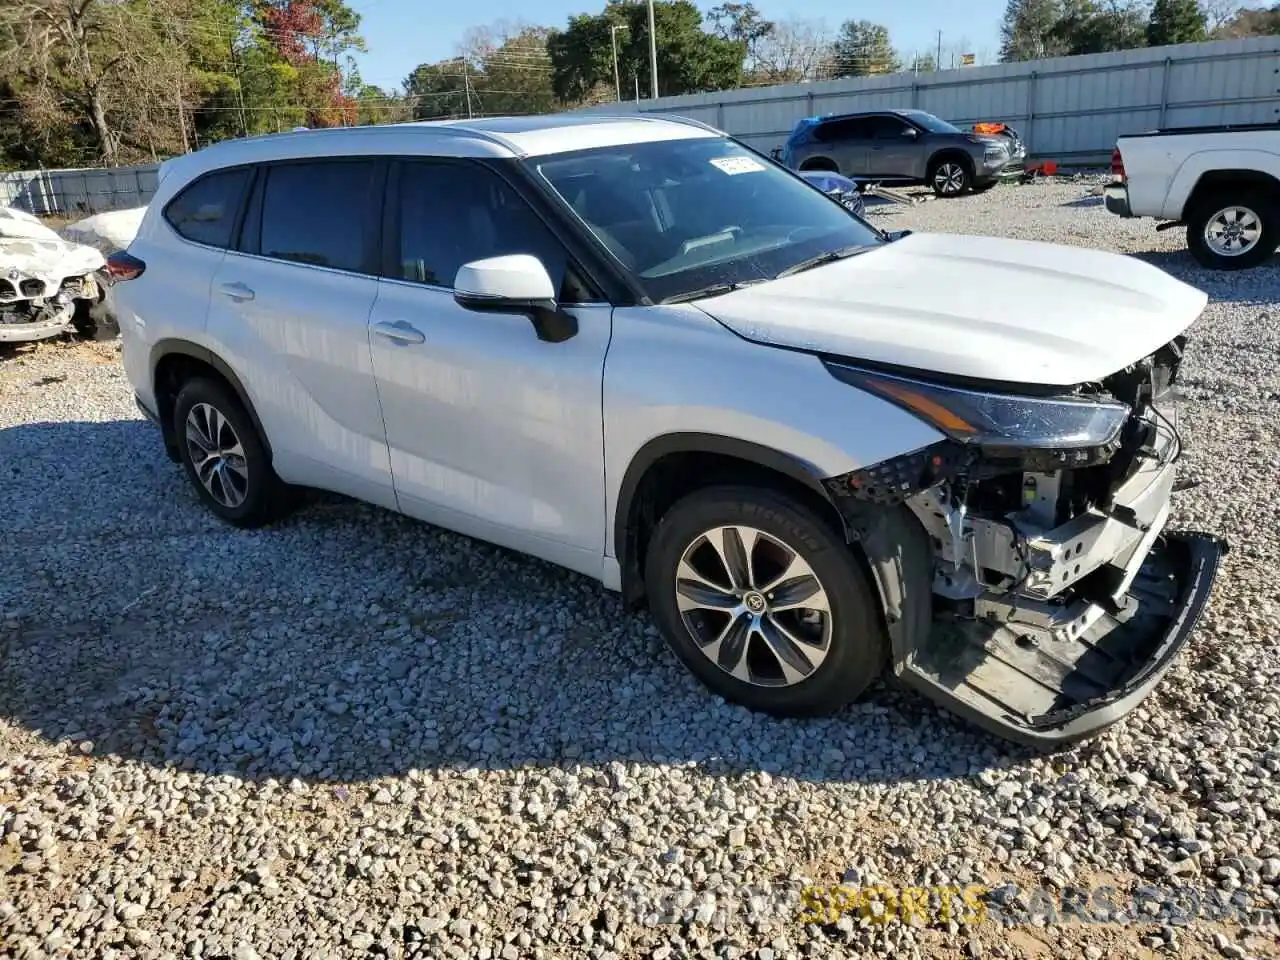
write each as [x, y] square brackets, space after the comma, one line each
[613, 45]
[653, 52]
[937, 60]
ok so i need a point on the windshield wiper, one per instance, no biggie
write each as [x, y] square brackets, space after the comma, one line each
[831, 256]
[711, 290]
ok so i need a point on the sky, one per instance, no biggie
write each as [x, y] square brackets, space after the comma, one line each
[404, 33]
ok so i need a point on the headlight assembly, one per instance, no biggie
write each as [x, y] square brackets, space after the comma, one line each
[997, 419]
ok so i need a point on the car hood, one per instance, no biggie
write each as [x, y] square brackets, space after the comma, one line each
[51, 261]
[991, 309]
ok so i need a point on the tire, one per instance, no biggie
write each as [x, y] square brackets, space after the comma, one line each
[950, 176]
[1214, 211]
[243, 489]
[843, 651]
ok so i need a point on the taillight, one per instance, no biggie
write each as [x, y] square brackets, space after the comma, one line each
[124, 266]
[1117, 164]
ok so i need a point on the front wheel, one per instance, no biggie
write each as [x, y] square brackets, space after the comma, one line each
[949, 177]
[1234, 230]
[764, 602]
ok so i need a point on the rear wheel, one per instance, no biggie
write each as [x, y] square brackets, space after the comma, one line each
[764, 602]
[1234, 229]
[224, 457]
[949, 177]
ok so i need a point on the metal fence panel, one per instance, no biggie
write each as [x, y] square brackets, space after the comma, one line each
[79, 192]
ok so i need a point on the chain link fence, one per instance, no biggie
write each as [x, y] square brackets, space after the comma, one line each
[78, 193]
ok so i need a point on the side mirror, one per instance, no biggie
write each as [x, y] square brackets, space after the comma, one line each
[911, 133]
[517, 283]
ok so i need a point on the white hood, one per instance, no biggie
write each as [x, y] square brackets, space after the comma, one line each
[981, 307]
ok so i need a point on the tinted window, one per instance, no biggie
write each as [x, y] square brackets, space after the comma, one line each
[888, 128]
[206, 211]
[453, 213]
[316, 213]
[853, 128]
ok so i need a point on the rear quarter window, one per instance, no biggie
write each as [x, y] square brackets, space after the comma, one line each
[205, 212]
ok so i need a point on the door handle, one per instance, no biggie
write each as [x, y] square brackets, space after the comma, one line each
[400, 331]
[236, 291]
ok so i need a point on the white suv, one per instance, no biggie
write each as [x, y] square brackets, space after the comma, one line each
[638, 349]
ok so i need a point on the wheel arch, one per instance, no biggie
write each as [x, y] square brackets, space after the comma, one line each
[820, 162]
[950, 153]
[1211, 181]
[673, 465]
[173, 362]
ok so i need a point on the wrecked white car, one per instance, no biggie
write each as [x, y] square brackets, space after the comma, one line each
[48, 286]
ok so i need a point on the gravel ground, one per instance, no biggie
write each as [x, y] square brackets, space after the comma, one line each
[352, 735]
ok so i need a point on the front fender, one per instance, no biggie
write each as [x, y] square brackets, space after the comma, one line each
[675, 376]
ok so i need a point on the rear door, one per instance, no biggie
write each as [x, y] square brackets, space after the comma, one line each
[847, 141]
[290, 312]
[892, 150]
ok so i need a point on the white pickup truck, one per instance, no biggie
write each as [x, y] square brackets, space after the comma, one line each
[1222, 183]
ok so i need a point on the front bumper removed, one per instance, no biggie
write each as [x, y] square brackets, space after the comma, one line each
[1047, 688]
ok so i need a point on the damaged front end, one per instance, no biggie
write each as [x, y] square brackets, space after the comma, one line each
[48, 286]
[1038, 528]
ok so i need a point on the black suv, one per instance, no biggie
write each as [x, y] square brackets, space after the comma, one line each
[906, 147]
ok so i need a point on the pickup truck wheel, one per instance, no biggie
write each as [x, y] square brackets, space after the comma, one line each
[225, 458]
[1234, 230]
[764, 601]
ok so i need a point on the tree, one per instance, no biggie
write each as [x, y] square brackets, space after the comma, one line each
[863, 48]
[1175, 21]
[1088, 27]
[1027, 31]
[690, 60]
[1250, 23]
[741, 23]
[794, 50]
[923, 63]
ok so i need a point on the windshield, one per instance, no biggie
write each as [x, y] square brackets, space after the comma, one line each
[930, 122]
[683, 215]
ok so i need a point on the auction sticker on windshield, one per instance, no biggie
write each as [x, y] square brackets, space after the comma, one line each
[736, 165]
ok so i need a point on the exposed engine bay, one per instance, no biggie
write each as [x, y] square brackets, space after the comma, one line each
[48, 286]
[1056, 591]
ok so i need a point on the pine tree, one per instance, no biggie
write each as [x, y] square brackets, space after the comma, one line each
[1027, 31]
[1175, 21]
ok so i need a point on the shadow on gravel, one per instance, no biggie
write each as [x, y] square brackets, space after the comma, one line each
[1084, 202]
[348, 644]
[1259, 285]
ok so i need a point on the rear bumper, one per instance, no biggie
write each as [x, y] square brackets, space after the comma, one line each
[1116, 198]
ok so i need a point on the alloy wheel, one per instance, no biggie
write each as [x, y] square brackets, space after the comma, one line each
[754, 606]
[217, 455]
[949, 178]
[1233, 231]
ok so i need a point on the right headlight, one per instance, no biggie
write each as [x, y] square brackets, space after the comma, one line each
[998, 419]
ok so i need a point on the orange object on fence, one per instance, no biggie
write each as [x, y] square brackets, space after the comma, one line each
[991, 127]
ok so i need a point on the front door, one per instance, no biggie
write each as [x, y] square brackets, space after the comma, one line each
[492, 432]
[892, 151]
